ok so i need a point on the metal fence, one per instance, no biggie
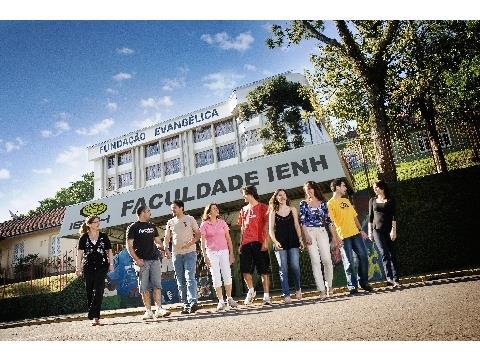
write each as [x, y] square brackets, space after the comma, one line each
[37, 275]
[413, 158]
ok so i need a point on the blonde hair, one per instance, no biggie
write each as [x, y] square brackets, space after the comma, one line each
[206, 212]
[86, 225]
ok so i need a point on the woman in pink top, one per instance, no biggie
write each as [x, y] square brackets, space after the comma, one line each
[218, 253]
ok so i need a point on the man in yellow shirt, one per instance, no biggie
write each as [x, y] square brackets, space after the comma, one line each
[350, 231]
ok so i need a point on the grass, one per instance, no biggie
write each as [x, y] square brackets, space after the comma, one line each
[417, 168]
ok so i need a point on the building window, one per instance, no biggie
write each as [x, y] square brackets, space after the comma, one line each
[152, 149]
[111, 183]
[170, 143]
[224, 127]
[226, 152]
[424, 143]
[125, 179]
[172, 166]
[18, 252]
[152, 172]
[111, 161]
[55, 247]
[203, 158]
[125, 158]
[202, 134]
[249, 138]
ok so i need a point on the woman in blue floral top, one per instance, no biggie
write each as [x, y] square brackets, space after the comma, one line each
[314, 219]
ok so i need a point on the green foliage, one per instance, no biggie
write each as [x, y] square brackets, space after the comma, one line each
[282, 102]
[43, 285]
[350, 77]
[78, 191]
[417, 168]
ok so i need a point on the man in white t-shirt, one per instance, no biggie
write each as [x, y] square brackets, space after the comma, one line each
[183, 230]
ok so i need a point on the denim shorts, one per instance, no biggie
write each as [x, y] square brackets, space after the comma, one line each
[149, 276]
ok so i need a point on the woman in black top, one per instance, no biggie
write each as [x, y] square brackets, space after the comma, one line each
[95, 249]
[382, 228]
[285, 232]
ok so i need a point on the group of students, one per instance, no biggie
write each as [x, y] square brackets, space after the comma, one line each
[290, 231]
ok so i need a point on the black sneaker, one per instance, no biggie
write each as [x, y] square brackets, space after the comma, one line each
[185, 310]
[353, 291]
[367, 287]
[193, 308]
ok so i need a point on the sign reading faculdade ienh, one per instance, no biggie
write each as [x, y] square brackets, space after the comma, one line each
[286, 170]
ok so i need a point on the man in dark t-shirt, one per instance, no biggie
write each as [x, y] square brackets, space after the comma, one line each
[143, 244]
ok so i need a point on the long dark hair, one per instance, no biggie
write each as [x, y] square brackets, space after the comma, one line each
[273, 204]
[316, 190]
[382, 185]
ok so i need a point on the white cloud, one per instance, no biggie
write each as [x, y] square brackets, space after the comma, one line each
[164, 101]
[140, 124]
[241, 43]
[221, 81]
[71, 156]
[125, 51]
[98, 128]
[2, 195]
[4, 174]
[62, 126]
[267, 73]
[46, 133]
[14, 145]
[250, 67]
[178, 81]
[112, 106]
[111, 91]
[42, 171]
[122, 76]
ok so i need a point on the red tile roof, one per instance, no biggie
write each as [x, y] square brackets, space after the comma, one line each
[30, 224]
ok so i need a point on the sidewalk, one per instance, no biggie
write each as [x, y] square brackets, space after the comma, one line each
[211, 304]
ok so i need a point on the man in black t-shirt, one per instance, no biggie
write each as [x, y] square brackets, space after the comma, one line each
[143, 244]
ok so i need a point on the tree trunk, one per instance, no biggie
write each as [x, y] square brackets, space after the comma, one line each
[381, 137]
[473, 129]
[428, 113]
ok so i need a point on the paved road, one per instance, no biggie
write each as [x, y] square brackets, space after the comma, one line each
[439, 310]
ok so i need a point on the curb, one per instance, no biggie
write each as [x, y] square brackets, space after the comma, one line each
[209, 304]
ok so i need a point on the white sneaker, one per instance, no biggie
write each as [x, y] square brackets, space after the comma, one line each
[221, 305]
[161, 312]
[250, 297]
[287, 300]
[267, 301]
[232, 303]
[148, 315]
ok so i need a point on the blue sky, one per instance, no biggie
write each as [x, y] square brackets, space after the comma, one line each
[68, 84]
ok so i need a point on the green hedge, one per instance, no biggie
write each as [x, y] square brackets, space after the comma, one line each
[438, 217]
[71, 300]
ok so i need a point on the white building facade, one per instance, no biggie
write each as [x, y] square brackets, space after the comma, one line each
[201, 141]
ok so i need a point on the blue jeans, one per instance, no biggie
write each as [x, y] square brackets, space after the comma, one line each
[357, 244]
[185, 268]
[387, 253]
[284, 257]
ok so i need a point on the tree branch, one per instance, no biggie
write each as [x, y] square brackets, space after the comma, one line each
[351, 48]
[386, 40]
[318, 35]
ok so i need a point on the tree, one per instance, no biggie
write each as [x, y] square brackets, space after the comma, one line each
[365, 46]
[461, 104]
[78, 191]
[282, 101]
